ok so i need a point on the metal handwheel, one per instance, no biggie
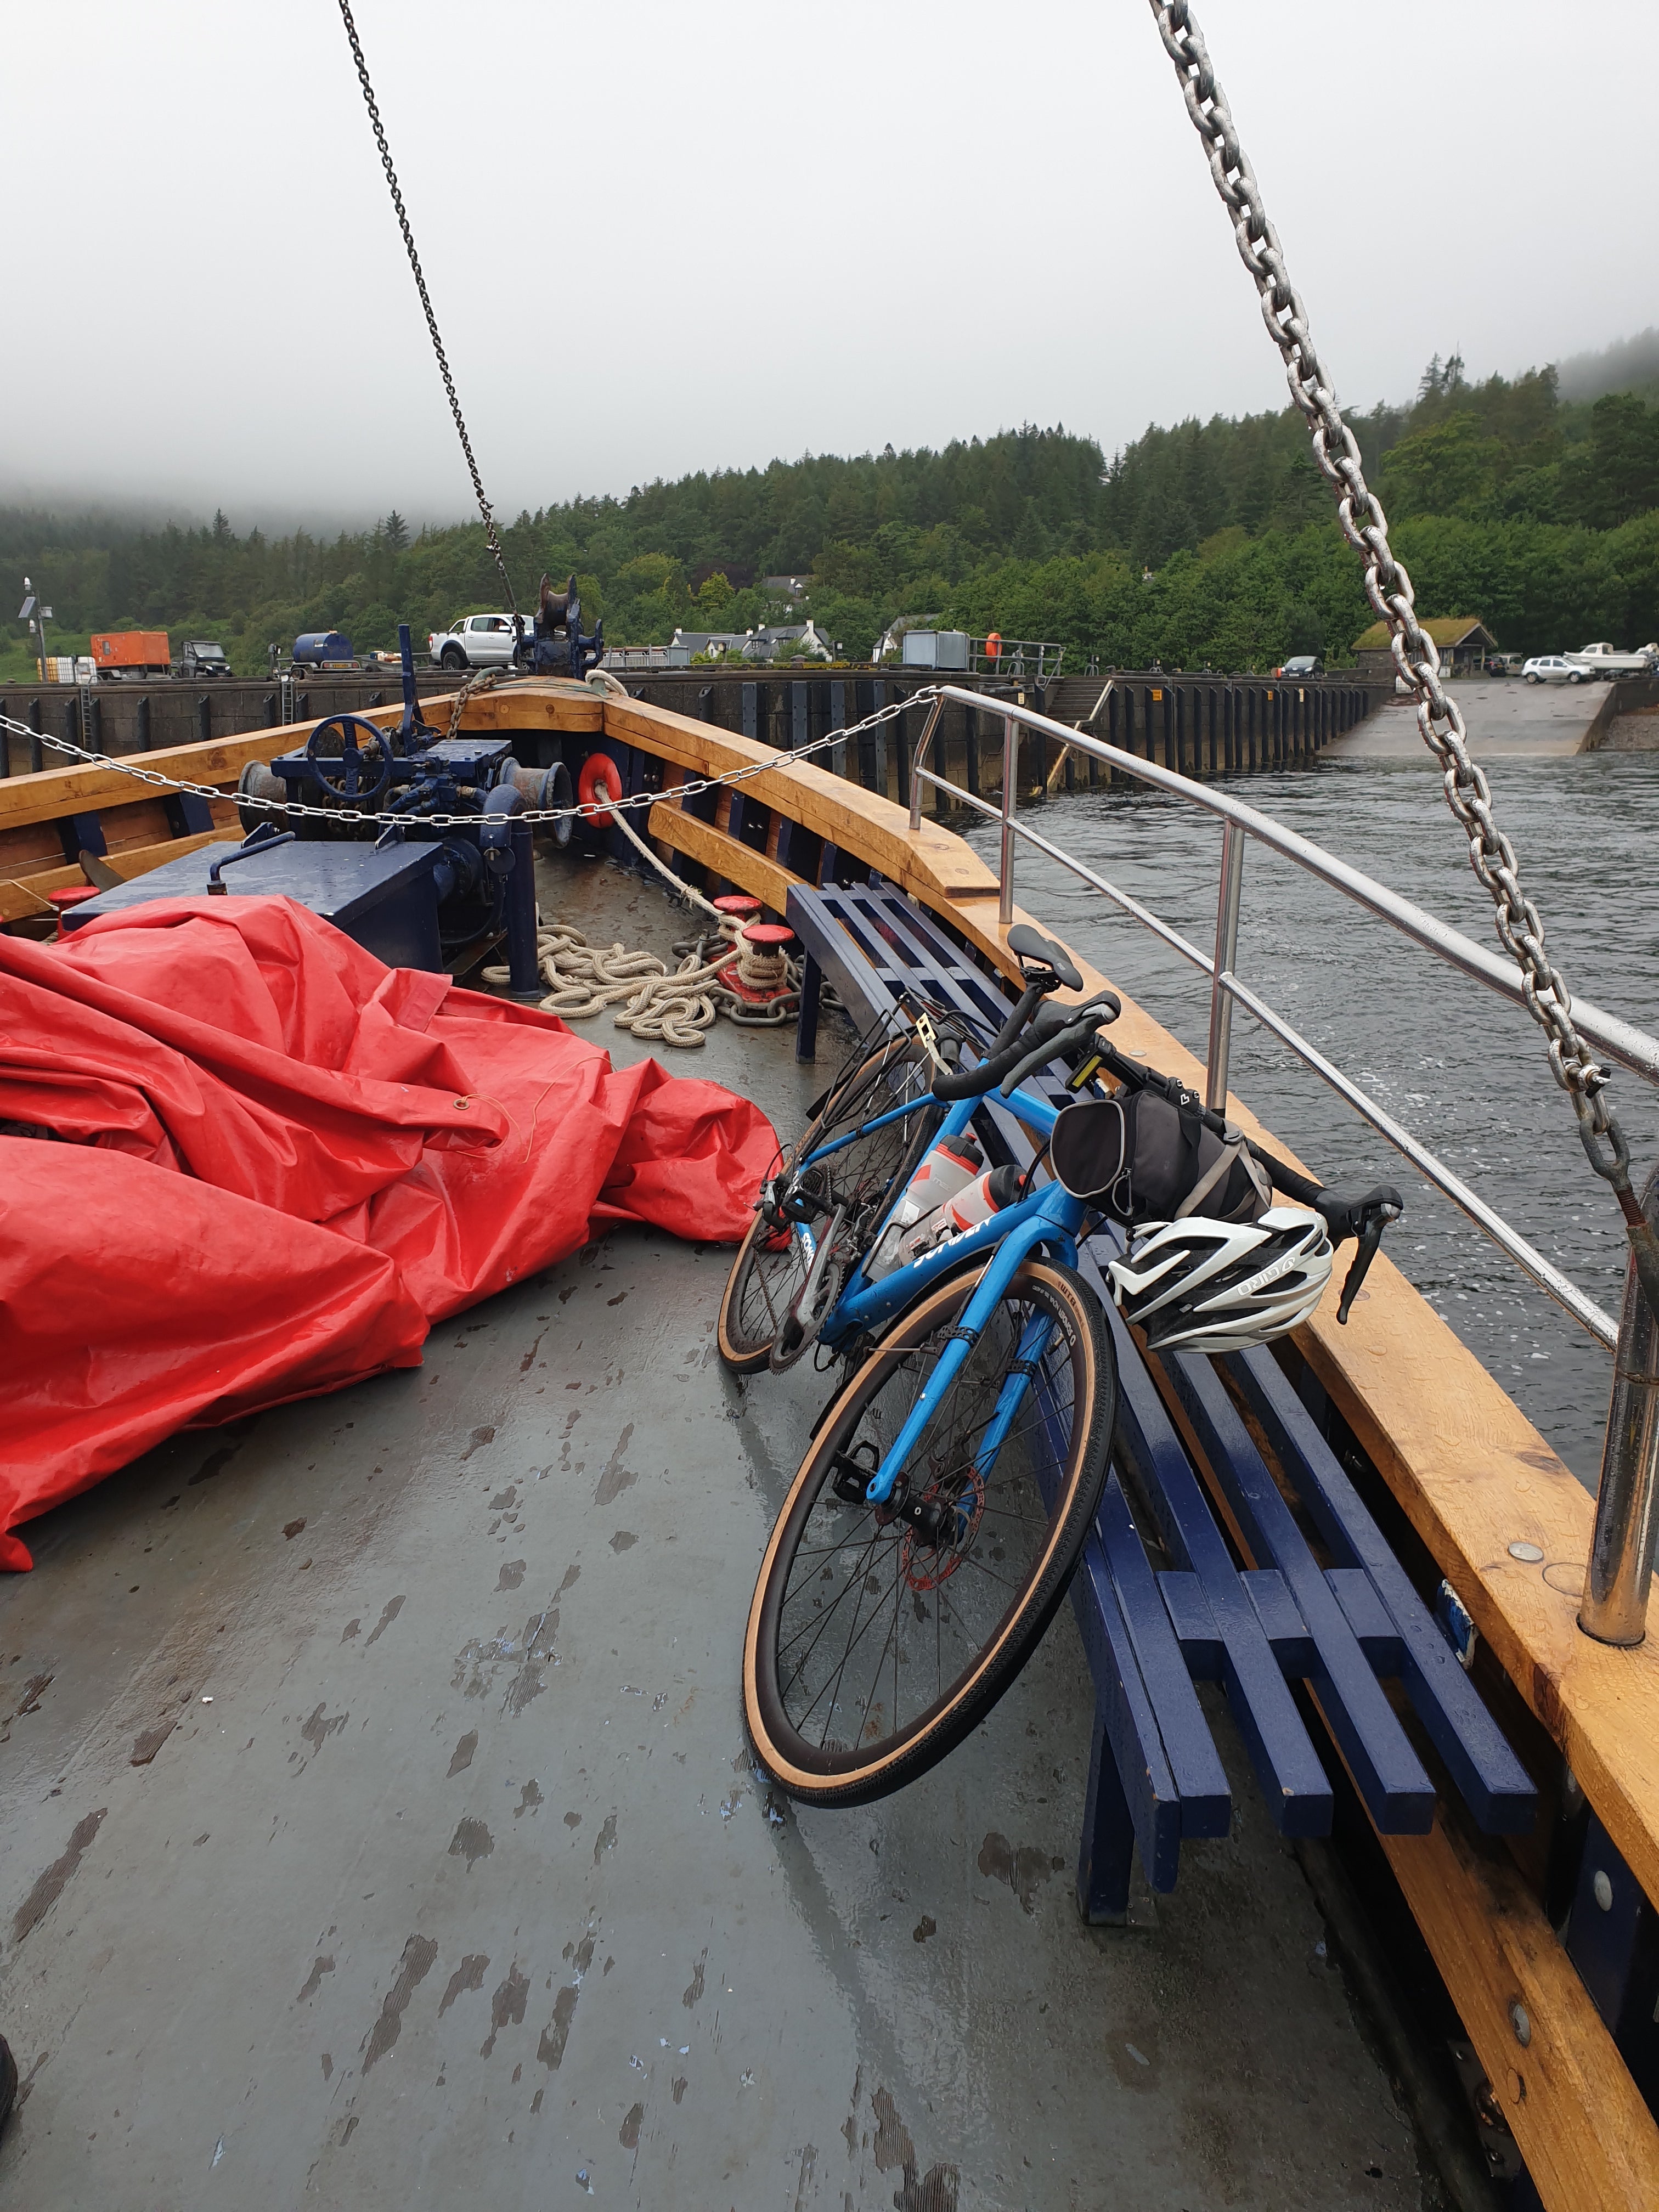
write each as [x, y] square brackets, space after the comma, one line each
[881, 1635]
[361, 777]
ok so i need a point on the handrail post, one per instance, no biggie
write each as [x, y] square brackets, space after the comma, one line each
[1615, 1606]
[923, 743]
[1010, 779]
[1226, 952]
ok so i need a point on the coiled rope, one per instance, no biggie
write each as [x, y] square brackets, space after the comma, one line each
[671, 1006]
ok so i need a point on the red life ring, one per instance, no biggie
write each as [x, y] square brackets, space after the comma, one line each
[600, 778]
[994, 645]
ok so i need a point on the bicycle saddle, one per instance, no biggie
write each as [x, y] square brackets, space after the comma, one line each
[1031, 944]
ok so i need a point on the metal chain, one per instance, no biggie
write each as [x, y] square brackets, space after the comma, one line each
[1388, 588]
[484, 508]
[289, 808]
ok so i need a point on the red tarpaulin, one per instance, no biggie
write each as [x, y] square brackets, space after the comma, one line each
[285, 1161]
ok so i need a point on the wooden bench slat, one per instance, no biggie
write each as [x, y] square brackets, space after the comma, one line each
[1294, 1784]
[1497, 1788]
[1145, 1788]
[1391, 1778]
[1195, 1763]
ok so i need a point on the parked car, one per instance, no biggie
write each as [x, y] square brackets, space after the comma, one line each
[1503, 664]
[1302, 664]
[473, 641]
[199, 656]
[1551, 668]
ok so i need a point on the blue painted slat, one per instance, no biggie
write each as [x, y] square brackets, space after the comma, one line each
[1387, 1773]
[1498, 1790]
[1294, 1784]
[1193, 1624]
[1281, 1624]
[1200, 1778]
[1131, 1725]
[1373, 1631]
[860, 989]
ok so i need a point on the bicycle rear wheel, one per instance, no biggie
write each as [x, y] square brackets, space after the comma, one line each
[880, 1637]
[770, 1267]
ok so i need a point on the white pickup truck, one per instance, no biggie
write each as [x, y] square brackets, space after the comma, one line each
[474, 641]
[1603, 660]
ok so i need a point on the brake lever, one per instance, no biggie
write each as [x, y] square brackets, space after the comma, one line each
[1052, 1047]
[1377, 1219]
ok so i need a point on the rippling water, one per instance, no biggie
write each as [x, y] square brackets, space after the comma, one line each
[1459, 1067]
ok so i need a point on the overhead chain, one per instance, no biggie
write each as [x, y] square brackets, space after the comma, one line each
[484, 508]
[1388, 588]
[291, 808]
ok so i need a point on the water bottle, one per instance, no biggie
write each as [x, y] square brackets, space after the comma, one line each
[999, 1188]
[949, 1167]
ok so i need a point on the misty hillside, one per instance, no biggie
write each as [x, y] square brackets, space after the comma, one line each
[1202, 543]
[1628, 365]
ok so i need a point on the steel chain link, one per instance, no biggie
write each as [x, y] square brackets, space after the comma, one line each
[484, 508]
[1388, 587]
[289, 808]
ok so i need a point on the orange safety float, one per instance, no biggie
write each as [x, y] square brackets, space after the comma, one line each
[600, 778]
[994, 645]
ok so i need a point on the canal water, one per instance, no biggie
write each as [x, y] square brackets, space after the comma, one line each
[1462, 1068]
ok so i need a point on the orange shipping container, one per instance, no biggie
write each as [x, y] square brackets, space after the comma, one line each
[131, 648]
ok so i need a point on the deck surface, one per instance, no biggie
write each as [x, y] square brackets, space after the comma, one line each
[462, 1888]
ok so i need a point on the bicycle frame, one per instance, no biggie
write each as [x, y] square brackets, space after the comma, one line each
[1049, 1219]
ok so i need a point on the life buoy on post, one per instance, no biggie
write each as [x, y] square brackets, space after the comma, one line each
[600, 778]
[994, 645]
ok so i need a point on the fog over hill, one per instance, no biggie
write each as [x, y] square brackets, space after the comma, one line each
[1630, 364]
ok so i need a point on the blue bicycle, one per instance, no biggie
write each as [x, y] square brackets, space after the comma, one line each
[951, 1482]
[938, 1517]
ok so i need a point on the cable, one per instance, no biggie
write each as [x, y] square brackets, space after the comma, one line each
[491, 537]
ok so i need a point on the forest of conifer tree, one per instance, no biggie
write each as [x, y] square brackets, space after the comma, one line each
[1211, 544]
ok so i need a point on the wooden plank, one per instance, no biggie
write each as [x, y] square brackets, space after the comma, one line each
[26, 895]
[59, 791]
[726, 856]
[1589, 2142]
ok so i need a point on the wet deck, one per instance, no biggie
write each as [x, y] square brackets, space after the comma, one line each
[445, 1874]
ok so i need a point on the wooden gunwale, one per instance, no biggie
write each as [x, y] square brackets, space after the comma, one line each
[1471, 1473]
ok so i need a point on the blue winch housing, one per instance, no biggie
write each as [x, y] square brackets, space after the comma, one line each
[457, 797]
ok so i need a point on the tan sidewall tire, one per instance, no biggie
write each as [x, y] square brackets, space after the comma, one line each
[748, 1362]
[740, 1362]
[915, 1755]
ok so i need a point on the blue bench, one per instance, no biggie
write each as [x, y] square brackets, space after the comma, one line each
[1182, 1450]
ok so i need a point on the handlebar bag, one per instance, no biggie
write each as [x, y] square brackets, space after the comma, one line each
[1140, 1158]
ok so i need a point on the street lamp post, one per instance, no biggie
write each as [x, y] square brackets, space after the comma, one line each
[37, 616]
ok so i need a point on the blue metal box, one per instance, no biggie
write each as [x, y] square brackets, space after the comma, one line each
[384, 900]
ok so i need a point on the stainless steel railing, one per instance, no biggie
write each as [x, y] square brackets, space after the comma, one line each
[1631, 1048]
[1620, 1567]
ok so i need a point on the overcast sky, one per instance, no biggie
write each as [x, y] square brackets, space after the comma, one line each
[667, 237]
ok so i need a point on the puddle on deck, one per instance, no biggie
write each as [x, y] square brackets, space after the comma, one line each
[378, 1824]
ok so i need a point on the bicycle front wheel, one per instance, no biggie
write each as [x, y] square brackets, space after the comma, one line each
[769, 1271]
[880, 1636]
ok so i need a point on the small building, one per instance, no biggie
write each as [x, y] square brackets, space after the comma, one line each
[778, 641]
[786, 640]
[784, 588]
[1463, 643]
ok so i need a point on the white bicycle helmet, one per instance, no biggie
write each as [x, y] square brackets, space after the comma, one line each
[1203, 1286]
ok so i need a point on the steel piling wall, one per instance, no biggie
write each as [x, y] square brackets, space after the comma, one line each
[1205, 726]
